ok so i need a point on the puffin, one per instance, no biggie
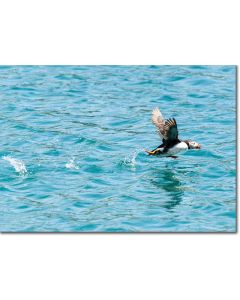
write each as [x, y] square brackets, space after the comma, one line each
[168, 131]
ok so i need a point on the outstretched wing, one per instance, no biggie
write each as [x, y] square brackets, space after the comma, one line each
[159, 122]
[167, 129]
[171, 129]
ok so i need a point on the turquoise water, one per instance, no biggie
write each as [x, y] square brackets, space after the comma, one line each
[71, 149]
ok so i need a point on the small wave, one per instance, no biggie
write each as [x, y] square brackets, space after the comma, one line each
[71, 165]
[18, 165]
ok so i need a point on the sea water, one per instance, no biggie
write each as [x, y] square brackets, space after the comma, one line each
[72, 140]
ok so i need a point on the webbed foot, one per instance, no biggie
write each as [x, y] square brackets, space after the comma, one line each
[153, 152]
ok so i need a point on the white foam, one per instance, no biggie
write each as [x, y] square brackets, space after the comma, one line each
[71, 165]
[18, 165]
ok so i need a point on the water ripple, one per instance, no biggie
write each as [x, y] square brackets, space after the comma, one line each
[72, 140]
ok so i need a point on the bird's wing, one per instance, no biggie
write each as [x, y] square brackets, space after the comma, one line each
[159, 122]
[171, 130]
[167, 129]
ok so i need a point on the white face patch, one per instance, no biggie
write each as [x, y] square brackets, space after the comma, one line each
[194, 145]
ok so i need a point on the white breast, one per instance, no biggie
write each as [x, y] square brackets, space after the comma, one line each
[181, 147]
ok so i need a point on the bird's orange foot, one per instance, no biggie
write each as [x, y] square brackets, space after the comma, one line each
[150, 152]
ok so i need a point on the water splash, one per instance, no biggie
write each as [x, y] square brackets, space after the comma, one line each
[18, 165]
[71, 165]
[131, 159]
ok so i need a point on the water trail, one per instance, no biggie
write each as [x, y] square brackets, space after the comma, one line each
[17, 164]
[71, 164]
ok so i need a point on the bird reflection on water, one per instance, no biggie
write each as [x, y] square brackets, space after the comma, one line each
[169, 181]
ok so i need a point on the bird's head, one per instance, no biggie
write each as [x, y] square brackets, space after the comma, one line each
[193, 145]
